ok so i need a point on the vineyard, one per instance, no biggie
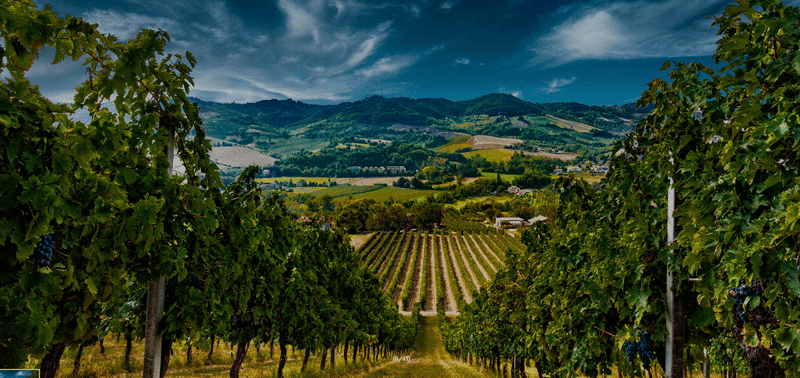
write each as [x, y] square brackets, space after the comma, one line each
[435, 268]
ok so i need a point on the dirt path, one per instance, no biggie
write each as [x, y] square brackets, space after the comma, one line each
[483, 253]
[475, 281]
[475, 258]
[407, 268]
[451, 301]
[489, 249]
[466, 294]
[432, 295]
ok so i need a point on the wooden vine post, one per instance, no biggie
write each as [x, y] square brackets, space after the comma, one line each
[675, 328]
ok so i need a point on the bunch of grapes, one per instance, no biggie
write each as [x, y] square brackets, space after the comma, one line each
[642, 348]
[631, 350]
[646, 352]
[741, 293]
[43, 252]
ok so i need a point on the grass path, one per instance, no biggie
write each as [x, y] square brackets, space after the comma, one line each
[427, 359]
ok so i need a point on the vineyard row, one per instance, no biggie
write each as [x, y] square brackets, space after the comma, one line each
[435, 268]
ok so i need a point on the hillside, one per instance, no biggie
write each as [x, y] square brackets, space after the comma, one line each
[373, 115]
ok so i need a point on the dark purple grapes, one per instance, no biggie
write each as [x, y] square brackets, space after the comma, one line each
[643, 348]
[43, 252]
[741, 293]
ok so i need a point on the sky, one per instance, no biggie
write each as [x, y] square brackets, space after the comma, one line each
[330, 51]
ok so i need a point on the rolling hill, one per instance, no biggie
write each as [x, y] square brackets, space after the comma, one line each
[374, 115]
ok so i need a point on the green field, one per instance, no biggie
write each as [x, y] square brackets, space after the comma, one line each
[344, 191]
[494, 155]
[507, 178]
[461, 203]
[397, 194]
[285, 147]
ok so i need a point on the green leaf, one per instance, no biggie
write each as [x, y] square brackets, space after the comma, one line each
[90, 285]
[796, 62]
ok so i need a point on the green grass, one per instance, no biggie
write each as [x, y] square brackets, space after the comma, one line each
[389, 192]
[428, 358]
[286, 147]
[344, 191]
[256, 365]
[493, 155]
[507, 178]
[462, 203]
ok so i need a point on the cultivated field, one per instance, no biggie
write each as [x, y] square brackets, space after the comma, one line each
[240, 157]
[508, 178]
[564, 157]
[492, 155]
[457, 143]
[484, 142]
[387, 193]
[434, 267]
[567, 124]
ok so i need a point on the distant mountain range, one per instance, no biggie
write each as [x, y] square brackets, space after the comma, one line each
[277, 116]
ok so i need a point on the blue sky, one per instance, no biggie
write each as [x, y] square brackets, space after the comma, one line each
[15, 373]
[328, 51]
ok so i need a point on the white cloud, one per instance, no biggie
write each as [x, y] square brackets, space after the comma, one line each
[447, 5]
[388, 65]
[555, 85]
[126, 25]
[299, 21]
[320, 49]
[514, 92]
[463, 61]
[630, 30]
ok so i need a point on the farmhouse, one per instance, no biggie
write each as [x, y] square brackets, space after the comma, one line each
[574, 169]
[396, 168]
[512, 221]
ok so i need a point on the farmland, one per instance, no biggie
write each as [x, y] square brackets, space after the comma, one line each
[495, 155]
[435, 268]
[240, 157]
